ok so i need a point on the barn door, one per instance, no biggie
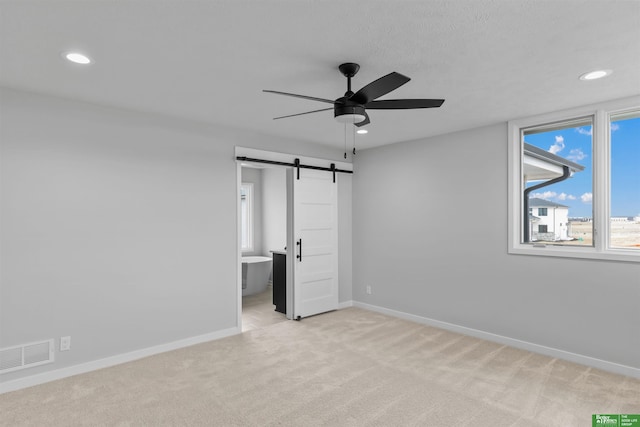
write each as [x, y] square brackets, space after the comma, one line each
[314, 242]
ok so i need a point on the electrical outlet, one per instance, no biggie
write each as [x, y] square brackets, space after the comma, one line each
[65, 343]
[368, 290]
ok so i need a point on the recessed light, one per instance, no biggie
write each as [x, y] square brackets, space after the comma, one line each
[78, 58]
[593, 75]
[362, 131]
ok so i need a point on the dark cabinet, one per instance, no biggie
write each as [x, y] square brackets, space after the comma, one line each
[280, 282]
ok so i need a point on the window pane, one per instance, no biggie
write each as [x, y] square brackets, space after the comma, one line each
[557, 177]
[624, 221]
[243, 222]
[246, 217]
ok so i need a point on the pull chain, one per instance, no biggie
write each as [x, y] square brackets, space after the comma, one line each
[345, 140]
[354, 136]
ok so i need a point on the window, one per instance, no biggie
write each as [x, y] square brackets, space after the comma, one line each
[246, 217]
[625, 180]
[575, 175]
[556, 175]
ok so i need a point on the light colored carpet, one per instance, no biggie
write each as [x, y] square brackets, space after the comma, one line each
[345, 368]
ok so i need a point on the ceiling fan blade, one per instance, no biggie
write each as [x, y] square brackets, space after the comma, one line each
[312, 98]
[379, 87]
[403, 104]
[365, 121]
[300, 114]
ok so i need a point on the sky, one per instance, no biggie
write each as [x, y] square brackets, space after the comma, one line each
[575, 144]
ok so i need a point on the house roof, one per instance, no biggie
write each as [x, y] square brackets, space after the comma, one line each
[531, 150]
[539, 164]
[542, 203]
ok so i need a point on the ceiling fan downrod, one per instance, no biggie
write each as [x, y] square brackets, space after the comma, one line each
[349, 69]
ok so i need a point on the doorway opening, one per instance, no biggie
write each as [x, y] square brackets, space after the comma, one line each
[295, 219]
[263, 232]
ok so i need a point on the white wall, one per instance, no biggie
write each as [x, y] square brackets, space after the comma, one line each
[117, 228]
[422, 242]
[345, 236]
[274, 203]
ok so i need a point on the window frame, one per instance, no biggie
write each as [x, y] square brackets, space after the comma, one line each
[249, 188]
[601, 114]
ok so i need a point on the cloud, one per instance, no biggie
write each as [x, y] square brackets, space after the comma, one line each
[565, 196]
[547, 195]
[576, 155]
[586, 197]
[614, 127]
[552, 195]
[558, 146]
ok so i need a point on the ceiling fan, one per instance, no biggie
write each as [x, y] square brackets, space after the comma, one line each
[351, 108]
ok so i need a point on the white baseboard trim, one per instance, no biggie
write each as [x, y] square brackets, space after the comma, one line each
[94, 365]
[345, 304]
[524, 345]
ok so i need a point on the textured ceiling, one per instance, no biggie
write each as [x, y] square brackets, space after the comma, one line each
[210, 60]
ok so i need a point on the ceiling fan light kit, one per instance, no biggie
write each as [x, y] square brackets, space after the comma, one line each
[349, 114]
[351, 108]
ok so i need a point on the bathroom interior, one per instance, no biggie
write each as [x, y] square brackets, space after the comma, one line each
[263, 219]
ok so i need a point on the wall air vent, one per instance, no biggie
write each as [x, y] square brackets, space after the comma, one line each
[26, 356]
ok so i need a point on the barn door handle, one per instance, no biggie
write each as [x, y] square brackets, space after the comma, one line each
[299, 244]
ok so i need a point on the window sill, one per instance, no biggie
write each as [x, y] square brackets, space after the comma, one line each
[623, 255]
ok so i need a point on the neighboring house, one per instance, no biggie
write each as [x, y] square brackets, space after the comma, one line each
[548, 221]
